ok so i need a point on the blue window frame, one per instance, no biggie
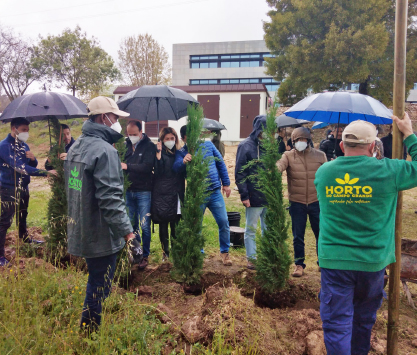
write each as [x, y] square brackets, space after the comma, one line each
[234, 81]
[203, 82]
[224, 81]
[212, 81]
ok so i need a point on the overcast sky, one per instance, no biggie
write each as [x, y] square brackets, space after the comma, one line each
[168, 21]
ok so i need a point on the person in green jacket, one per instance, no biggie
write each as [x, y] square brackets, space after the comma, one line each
[98, 225]
[358, 196]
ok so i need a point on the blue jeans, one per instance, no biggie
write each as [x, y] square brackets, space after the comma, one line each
[100, 276]
[139, 206]
[215, 203]
[299, 212]
[252, 216]
[348, 304]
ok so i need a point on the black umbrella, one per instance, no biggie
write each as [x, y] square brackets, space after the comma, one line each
[213, 125]
[41, 105]
[287, 121]
[156, 102]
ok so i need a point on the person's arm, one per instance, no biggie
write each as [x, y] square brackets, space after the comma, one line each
[241, 173]
[179, 165]
[221, 166]
[147, 164]
[109, 193]
[15, 162]
[282, 164]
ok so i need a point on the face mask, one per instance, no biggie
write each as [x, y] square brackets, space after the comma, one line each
[374, 155]
[115, 126]
[134, 139]
[300, 146]
[23, 137]
[169, 144]
[264, 135]
[276, 135]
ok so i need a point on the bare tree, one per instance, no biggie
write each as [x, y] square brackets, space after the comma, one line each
[19, 67]
[143, 61]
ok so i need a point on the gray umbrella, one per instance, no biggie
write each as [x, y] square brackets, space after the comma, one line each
[213, 125]
[156, 102]
[41, 105]
[286, 121]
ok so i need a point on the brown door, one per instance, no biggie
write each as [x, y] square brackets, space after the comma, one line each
[151, 128]
[249, 109]
[211, 105]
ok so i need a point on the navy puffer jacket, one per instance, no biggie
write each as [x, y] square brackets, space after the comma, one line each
[217, 175]
[248, 150]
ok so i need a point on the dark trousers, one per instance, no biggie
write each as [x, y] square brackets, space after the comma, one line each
[12, 200]
[100, 276]
[349, 301]
[164, 235]
[299, 213]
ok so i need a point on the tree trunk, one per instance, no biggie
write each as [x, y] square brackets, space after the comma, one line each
[363, 87]
[73, 91]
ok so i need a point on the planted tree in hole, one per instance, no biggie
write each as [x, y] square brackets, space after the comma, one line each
[187, 256]
[273, 258]
[57, 205]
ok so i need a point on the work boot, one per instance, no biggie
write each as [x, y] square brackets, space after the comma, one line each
[298, 271]
[3, 261]
[143, 264]
[226, 259]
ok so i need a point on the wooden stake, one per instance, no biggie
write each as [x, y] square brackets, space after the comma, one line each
[397, 153]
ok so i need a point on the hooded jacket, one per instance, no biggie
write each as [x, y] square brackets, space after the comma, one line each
[301, 170]
[97, 219]
[13, 157]
[140, 164]
[248, 150]
[328, 147]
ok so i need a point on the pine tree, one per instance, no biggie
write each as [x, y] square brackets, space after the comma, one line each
[273, 258]
[187, 256]
[57, 205]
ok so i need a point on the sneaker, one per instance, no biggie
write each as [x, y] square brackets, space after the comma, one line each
[226, 259]
[144, 263]
[165, 257]
[298, 271]
[30, 240]
[250, 266]
[3, 261]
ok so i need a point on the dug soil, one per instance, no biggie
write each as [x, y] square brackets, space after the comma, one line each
[228, 310]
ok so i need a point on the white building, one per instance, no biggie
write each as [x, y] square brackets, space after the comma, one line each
[228, 80]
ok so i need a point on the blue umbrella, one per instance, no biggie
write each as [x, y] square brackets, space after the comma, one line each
[318, 125]
[341, 107]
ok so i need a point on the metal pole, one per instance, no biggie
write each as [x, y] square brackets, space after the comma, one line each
[397, 153]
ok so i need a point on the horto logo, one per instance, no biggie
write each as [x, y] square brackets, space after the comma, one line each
[349, 188]
[73, 182]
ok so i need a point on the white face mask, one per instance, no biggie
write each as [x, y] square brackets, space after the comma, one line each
[169, 144]
[374, 155]
[116, 126]
[23, 137]
[134, 139]
[300, 146]
[276, 135]
[264, 135]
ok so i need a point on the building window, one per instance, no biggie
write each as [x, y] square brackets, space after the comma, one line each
[243, 60]
[354, 87]
[415, 86]
[271, 84]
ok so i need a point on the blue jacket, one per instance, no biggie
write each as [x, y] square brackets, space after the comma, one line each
[9, 162]
[217, 170]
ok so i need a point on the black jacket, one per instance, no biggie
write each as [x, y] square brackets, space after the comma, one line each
[281, 145]
[387, 143]
[48, 166]
[167, 187]
[327, 146]
[248, 150]
[140, 163]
